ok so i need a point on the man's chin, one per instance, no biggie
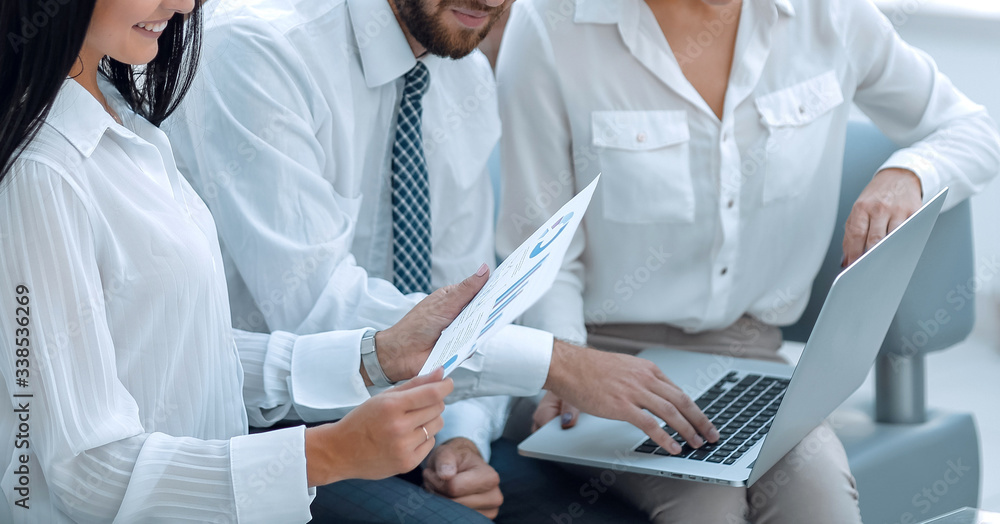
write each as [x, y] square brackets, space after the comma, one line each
[454, 50]
[447, 37]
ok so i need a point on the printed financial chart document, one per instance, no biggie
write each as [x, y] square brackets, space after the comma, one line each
[516, 285]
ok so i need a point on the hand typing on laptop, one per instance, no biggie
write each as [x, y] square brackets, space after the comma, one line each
[621, 387]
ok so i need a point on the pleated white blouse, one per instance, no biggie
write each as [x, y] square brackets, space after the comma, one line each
[129, 392]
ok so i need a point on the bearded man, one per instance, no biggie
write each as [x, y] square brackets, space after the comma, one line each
[342, 147]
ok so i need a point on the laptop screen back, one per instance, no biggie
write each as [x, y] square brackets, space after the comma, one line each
[848, 334]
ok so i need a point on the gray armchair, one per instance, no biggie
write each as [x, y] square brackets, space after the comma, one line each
[907, 459]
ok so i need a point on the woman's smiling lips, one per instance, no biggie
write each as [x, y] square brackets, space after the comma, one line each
[151, 29]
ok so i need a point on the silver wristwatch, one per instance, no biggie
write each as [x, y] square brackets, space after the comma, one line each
[370, 360]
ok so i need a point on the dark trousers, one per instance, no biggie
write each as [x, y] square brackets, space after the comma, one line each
[392, 500]
[534, 492]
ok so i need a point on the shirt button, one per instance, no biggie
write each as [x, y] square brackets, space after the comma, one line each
[641, 137]
[725, 136]
[802, 110]
[724, 271]
[730, 204]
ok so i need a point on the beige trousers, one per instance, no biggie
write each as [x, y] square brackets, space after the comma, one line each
[811, 484]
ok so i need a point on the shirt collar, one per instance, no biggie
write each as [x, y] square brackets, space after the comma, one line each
[611, 12]
[385, 53]
[79, 117]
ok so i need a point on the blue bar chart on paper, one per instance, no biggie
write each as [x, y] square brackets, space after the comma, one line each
[523, 278]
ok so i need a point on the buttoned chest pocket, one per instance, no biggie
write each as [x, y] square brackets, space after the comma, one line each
[798, 120]
[644, 157]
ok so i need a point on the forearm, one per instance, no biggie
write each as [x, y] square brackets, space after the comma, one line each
[324, 464]
[962, 154]
[144, 476]
[564, 357]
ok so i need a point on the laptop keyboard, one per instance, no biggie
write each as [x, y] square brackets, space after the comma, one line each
[741, 408]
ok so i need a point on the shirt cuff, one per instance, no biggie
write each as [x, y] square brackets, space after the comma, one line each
[326, 381]
[926, 171]
[516, 361]
[269, 476]
[475, 419]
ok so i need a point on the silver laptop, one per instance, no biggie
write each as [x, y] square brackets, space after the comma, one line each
[762, 409]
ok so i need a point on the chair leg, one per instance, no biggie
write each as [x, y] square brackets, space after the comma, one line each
[900, 389]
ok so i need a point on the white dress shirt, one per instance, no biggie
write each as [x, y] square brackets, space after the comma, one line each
[140, 393]
[698, 219]
[287, 134]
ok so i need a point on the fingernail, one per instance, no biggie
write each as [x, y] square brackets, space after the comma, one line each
[714, 434]
[567, 418]
[448, 469]
[675, 448]
[697, 442]
[482, 270]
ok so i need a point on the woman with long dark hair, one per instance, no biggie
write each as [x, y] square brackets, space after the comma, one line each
[130, 394]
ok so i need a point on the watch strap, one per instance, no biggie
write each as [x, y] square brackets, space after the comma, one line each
[369, 358]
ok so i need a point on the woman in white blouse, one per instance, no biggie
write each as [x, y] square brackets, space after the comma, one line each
[130, 394]
[719, 127]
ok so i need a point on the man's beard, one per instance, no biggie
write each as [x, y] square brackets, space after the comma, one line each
[430, 31]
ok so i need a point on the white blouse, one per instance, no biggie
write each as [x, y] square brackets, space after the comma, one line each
[127, 385]
[698, 219]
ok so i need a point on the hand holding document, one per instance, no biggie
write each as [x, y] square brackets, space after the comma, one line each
[515, 286]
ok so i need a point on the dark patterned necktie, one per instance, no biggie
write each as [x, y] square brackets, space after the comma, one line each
[411, 199]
